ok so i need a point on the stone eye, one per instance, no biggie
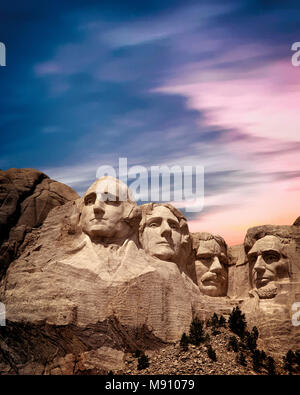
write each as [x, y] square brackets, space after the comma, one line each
[89, 200]
[271, 257]
[204, 259]
[153, 225]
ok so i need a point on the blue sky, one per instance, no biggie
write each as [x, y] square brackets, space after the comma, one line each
[158, 82]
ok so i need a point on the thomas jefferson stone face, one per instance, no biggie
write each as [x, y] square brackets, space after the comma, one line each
[267, 262]
[211, 261]
[161, 236]
[103, 213]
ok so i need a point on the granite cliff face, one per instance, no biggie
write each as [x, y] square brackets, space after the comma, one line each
[100, 277]
[74, 293]
[26, 198]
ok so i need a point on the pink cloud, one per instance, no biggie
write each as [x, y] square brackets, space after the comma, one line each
[262, 105]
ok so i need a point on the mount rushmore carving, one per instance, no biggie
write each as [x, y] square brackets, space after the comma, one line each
[102, 261]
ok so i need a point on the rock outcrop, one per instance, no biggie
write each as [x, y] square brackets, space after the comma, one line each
[26, 197]
[297, 222]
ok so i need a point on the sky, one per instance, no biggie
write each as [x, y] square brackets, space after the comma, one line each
[202, 83]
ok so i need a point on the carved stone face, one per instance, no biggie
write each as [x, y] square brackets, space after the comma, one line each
[267, 262]
[211, 261]
[161, 236]
[103, 214]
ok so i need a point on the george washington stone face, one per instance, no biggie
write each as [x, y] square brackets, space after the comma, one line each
[104, 214]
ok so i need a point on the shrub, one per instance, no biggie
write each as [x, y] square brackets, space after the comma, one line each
[240, 358]
[214, 321]
[211, 353]
[233, 344]
[196, 334]
[184, 342]
[237, 322]
[289, 360]
[256, 360]
[297, 356]
[206, 338]
[222, 321]
[270, 366]
[143, 362]
[137, 353]
[263, 355]
[251, 339]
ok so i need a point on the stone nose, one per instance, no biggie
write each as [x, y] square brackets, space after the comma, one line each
[99, 207]
[260, 265]
[165, 229]
[216, 266]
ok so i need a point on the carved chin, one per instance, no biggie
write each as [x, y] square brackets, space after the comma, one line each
[100, 231]
[164, 253]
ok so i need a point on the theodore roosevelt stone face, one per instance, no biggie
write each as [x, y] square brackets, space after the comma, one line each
[211, 265]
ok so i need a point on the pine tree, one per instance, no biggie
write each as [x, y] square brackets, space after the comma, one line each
[270, 366]
[214, 321]
[184, 342]
[206, 338]
[222, 321]
[251, 340]
[232, 344]
[143, 362]
[255, 332]
[263, 355]
[297, 360]
[256, 361]
[237, 322]
[240, 358]
[196, 334]
[289, 360]
[211, 353]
